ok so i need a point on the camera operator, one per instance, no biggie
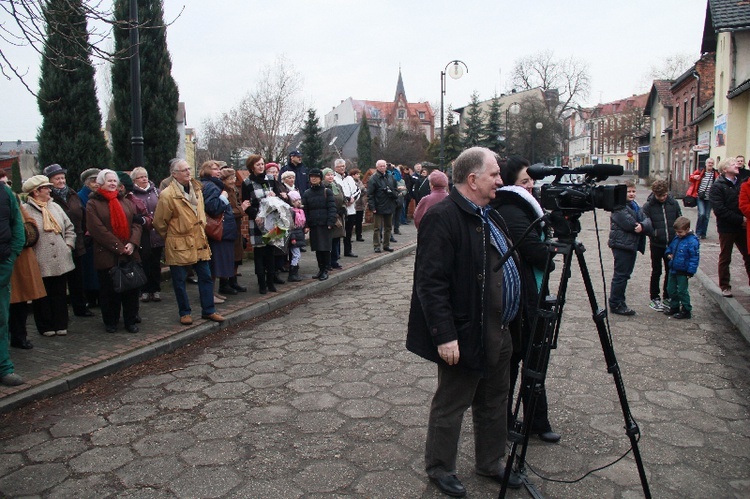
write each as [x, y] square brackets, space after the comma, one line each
[519, 208]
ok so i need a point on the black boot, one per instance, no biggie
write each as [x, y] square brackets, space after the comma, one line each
[277, 278]
[294, 274]
[323, 275]
[233, 283]
[225, 288]
[262, 287]
[270, 282]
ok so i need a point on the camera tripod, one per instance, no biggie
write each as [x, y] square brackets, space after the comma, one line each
[544, 339]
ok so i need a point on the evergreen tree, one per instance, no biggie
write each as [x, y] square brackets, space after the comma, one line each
[71, 131]
[473, 126]
[159, 91]
[364, 146]
[451, 139]
[312, 144]
[15, 176]
[494, 127]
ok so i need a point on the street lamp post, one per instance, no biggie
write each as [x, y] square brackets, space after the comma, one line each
[514, 109]
[136, 125]
[539, 125]
[455, 72]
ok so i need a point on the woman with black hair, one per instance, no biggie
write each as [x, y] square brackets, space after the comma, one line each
[320, 212]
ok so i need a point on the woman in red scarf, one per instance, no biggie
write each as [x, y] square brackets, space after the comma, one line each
[115, 228]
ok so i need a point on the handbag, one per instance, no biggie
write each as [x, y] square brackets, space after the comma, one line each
[127, 276]
[690, 201]
[214, 227]
[32, 234]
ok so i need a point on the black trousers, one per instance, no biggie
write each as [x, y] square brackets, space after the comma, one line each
[17, 316]
[265, 261]
[324, 259]
[75, 286]
[51, 311]
[359, 218]
[111, 302]
[351, 221]
[659, 262]
[152, 268]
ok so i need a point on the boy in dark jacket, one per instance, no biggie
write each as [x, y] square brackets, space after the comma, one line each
[628, 229]
[683, 254]
[662, 209]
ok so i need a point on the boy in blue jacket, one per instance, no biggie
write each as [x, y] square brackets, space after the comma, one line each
[683, 254]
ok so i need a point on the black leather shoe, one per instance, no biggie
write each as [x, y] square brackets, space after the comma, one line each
[132, 328]
[389, 250]
[377, 250]
[227, 290]
[25, 344]
[85, 313]
[449, 485]
[323, 276]
[350, 255]
[138, 319]
[336, 266]
[110, 329]
[393, 239]
[514, 481]
[361, 239]
[277, 280]
[549, 436]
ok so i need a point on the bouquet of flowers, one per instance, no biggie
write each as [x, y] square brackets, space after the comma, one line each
[278, 220]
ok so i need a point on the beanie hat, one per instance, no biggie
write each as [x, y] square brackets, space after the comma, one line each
[294, 196]
[438, 179]
[272, 165]
[126, 181]
[326, 171]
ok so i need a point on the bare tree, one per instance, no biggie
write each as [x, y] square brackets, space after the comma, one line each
[265, 120]
[569, 77]
[27, 26]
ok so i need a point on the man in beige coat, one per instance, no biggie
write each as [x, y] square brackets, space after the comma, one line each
[180, 219]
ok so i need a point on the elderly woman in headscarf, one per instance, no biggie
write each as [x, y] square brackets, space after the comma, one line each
[338, 231]
[216, 204]
[54, 248]
[115, 228]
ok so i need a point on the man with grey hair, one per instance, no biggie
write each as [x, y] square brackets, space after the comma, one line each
[351, 194]
[180, 219]
[461, 317]
[382, 196]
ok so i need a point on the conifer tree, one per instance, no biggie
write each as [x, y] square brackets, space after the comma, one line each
[494, 127]
[71, 132]
[159, 91]
[312, 144]
[364, 146]
[473, 127]
[15, 176]
[451, 140]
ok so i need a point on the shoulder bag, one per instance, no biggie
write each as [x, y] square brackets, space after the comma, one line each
[127, 275]
[215, 227]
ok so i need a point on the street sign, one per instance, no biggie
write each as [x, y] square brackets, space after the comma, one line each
[630, 154]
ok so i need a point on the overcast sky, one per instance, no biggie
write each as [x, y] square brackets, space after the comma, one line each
[350, 48]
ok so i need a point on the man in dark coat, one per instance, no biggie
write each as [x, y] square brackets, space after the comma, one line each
[730, 223]
[301, 177]
[461, 317]
[382, 196]
[71, 204]
[12, 239]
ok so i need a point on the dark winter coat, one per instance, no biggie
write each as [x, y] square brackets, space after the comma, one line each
[73, 207]
[108, 248]
[685, 253]
[150, 197]
[449, 298]
[320, 207]
[622, 234]
[215, 206]
[255, 188]
[662, 217]
[382, 193]
[724, 198]
[301, 177]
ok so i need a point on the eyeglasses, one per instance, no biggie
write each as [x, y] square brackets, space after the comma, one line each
[186, 170]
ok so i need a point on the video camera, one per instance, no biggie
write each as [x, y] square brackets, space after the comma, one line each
[580, 195]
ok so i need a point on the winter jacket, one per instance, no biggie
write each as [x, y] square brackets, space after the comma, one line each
[73, 207]
[704, 181]
[255, 188]
[724, 198]
[216, 205]
[622, 233]
[53, 251]
[340, 204]
[150, 197]
[382, 193]
[26, 280]
[320, 207]
[449, 298]
[744, 203]
[685, 253]
[181, 225]
[108, 248]
[351, 192]
[301, 177]
[662, 217]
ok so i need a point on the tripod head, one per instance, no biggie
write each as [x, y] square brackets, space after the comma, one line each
[566, 225]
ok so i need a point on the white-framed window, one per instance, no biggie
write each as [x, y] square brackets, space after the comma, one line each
[402, 114]
[421, 115]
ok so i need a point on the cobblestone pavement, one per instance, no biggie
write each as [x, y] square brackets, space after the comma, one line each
[321, 399]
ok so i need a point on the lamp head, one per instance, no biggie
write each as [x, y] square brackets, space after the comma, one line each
[455, 71]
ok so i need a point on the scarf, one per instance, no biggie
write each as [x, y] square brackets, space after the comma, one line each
[49, 222]
[117, 218]
[61, 193]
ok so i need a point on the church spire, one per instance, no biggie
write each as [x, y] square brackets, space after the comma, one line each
[400, 87]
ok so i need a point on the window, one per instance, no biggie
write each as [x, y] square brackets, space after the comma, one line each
[692, 108]
[421, 115]
[402, 114]
[684, 114]
[676, 118]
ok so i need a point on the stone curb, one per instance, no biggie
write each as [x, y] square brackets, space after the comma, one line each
[197, 332]
[733, 310]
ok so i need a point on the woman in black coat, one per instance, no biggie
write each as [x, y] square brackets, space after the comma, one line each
[518, 207]
[320, 211]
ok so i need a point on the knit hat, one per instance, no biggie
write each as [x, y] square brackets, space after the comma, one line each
[272, 165]
[53, 170]
[87, 174]
[438, 179]
[126, 181]
[34, 183]
[326, 171]
[294, 196]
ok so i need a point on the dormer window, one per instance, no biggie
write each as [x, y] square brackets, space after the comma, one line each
[402, 114]
[421, 115]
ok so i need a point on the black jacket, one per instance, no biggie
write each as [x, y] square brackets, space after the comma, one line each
[662, 217]
[320, 207]
[382, 193]
[449, 300]
[622, 233]
[724, 198]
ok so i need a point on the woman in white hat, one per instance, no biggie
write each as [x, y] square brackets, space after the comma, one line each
[54, 252]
